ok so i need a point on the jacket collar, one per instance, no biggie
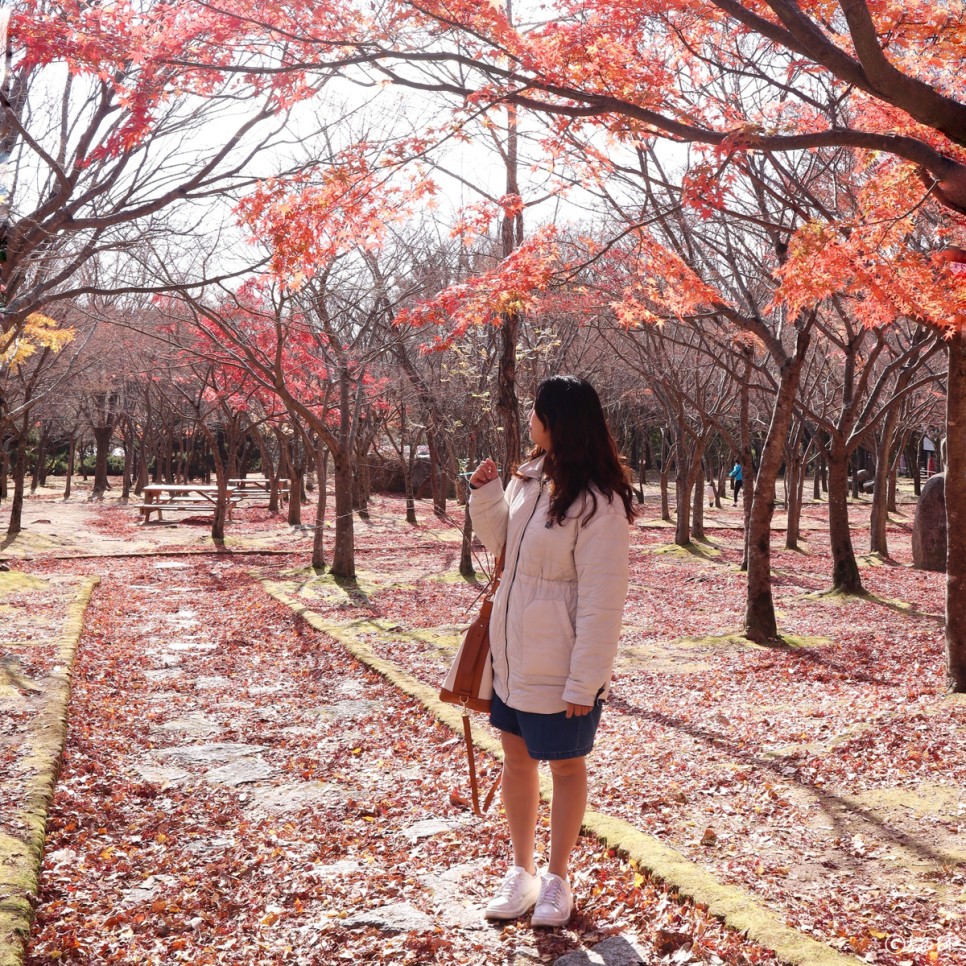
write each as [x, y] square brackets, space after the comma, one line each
[532, 468]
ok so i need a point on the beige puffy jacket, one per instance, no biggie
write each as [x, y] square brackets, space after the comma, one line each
[557, 613]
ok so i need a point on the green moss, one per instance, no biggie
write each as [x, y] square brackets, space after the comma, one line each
[13, 582]
[20, 858]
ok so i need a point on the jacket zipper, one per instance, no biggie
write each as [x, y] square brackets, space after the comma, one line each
[509, 589]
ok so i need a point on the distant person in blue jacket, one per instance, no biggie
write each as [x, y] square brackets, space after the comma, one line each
[736, 480]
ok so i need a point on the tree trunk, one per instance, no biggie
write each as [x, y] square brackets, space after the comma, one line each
[916, 468]
[438, 449]
[682, 498]
[318, 538]
[295, 495]
[879, 514]
[15, 524]
[343, 557]
[71, 455]
[128, 471]
[845, 570]
[19, 474]
[794, 484]
[956, 515]
[466, 544]
[39, 459]
[760, 622]
[697, 510]
[506, 402]
[102, 444]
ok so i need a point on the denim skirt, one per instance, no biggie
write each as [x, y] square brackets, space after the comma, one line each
[548, 736]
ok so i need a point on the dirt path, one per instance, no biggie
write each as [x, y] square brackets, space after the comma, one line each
[236, 789]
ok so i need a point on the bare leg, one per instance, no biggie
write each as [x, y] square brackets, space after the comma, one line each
[521, 796]
[566, 810]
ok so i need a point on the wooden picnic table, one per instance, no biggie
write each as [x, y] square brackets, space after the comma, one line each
[256, 486]
[159, 497]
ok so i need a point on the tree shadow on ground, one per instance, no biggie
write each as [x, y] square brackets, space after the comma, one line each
[832, 805]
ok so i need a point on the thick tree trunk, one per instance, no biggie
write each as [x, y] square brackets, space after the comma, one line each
[15, 523]
[343, 557]
[845, 570]
[697, 510]
[956, 515]
[318, 538]
[761, 624]
[682, 498]
[295, 495]
[102, 445]
[4, 473]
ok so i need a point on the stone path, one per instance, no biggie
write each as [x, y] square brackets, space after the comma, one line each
[236, 792]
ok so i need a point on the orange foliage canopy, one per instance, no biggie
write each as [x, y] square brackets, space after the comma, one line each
[876, 77]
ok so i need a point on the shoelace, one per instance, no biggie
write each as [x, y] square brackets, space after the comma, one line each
[554, 894]
[509, 886]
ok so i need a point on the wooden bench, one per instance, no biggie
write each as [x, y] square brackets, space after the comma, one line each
[182, 498]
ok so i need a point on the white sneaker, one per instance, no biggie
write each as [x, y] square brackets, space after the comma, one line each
[555, 902]
[517, 894]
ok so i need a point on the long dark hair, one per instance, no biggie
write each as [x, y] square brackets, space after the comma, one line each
[584, 452]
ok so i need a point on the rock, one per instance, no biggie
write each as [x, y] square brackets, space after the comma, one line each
[242, 772]
[396, 917]
[929, 527]
[615, 951]
[293, 796]
[208, 754]
[428, 828]
[197, 725]
[161, 774]
[211, 682]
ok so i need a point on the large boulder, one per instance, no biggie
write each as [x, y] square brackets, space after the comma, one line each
[929, 528]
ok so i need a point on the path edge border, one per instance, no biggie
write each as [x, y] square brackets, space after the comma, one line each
[736, 908]
[19, 881]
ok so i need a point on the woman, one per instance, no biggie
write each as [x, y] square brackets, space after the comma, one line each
[563, 522]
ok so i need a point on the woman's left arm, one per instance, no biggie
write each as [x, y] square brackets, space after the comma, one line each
[601, 559]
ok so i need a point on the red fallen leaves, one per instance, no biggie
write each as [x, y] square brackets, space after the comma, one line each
[173, 870]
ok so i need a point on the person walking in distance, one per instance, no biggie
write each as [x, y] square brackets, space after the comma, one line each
[563, 523]
[737, 478]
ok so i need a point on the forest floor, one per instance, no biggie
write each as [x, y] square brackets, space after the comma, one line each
[238, 786]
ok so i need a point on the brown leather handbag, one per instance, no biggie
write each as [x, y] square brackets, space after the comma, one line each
[470, 681]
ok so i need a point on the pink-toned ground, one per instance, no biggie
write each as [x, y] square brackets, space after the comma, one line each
[826, 778]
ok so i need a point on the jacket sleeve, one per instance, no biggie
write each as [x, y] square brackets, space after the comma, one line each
[601, 559]
[489, 512]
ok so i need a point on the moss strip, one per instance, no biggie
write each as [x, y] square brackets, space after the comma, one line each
[22, 857]
[735, 907]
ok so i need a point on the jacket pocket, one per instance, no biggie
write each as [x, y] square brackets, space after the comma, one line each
[548, 641]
